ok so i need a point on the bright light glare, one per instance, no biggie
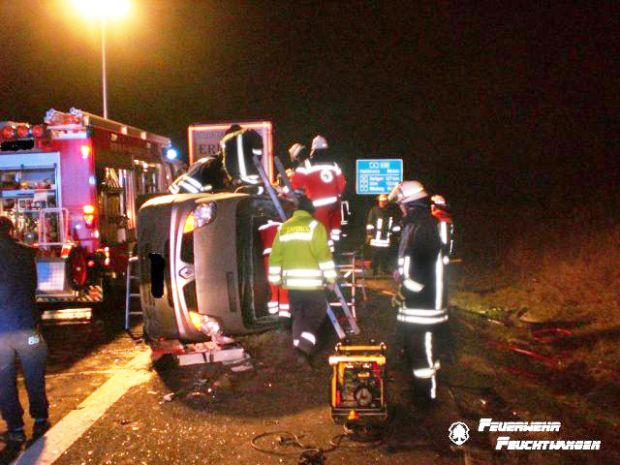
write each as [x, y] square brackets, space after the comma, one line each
[102, 9]
[171, 154]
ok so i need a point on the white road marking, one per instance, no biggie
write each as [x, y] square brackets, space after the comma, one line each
[65, 374]
[47, 449]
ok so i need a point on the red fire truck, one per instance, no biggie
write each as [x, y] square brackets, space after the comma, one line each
[71, 186]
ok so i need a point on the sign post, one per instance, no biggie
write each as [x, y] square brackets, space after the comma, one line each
[377, 176]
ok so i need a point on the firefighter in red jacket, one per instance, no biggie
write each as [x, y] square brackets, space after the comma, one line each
[299, 159]
[299, 154]
[278, 300]
[441, 211]
[323, 183]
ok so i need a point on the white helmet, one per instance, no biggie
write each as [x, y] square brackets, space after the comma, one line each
[319, 142]
[438, 200]
[407, 191]
[295, 150]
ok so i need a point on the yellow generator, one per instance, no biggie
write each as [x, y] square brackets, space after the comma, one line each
[358, 384]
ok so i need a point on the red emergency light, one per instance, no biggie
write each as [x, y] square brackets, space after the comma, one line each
[8, 132]
[37, 131]
[23, 131]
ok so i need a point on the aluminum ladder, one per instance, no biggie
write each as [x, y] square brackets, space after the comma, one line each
[352, 271]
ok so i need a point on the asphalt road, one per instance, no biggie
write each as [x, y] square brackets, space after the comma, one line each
[109, 406]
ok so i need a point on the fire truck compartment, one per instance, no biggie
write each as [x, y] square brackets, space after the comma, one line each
[215, 269]
[29, 193]
[70, 186]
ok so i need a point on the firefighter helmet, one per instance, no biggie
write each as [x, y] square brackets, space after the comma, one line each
[407, 191]
[319, 142]
[297, 151]
[382, 199]
[438, 200]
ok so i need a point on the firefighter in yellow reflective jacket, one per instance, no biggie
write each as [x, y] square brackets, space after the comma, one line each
[302, 263]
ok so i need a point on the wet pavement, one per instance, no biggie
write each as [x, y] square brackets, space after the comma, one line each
[208, 414]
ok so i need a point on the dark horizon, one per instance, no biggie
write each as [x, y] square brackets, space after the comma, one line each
[480, 102]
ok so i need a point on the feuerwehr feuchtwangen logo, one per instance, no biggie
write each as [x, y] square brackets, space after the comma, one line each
[458, 433]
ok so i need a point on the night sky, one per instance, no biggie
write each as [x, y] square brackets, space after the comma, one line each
[482, 101]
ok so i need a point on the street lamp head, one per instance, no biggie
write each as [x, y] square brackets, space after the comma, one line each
[102, 9]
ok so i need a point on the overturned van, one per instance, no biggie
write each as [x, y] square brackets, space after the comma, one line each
[201, 267]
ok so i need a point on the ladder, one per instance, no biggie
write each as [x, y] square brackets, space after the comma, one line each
[353, 273]
[132, 276]
[269, 188]
[351, 327]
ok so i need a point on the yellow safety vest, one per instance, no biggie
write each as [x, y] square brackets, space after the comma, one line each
[300, 257]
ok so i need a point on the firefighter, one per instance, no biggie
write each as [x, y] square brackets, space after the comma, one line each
[422, 289]
[381, 224]
[299, 154]
[441, 211]
[299, 159]
[205, 175]
[19, 338]
[278, 300]
[239, 147]
[324, 183]
[302, 263]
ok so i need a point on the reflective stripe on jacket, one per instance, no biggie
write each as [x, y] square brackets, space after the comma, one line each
[422, 270]
[323, 184]
[300, 257]
[380, 226]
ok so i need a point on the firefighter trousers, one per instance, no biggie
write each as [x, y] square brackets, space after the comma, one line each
[381, 258]
[308, 309]
[420, 343]
[31, 349]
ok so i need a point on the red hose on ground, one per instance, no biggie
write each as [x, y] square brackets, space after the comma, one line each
[550, 361]
[550, 335]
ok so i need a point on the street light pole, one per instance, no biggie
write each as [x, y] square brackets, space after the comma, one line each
[104, 81]
[103, 10]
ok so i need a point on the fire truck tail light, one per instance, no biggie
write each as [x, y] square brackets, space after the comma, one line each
[8, 132]
[37, 131]
[22, 131]
[85, 151]
[66, 250]
[89, 215]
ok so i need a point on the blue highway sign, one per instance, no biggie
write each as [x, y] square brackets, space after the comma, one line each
[374, 177]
